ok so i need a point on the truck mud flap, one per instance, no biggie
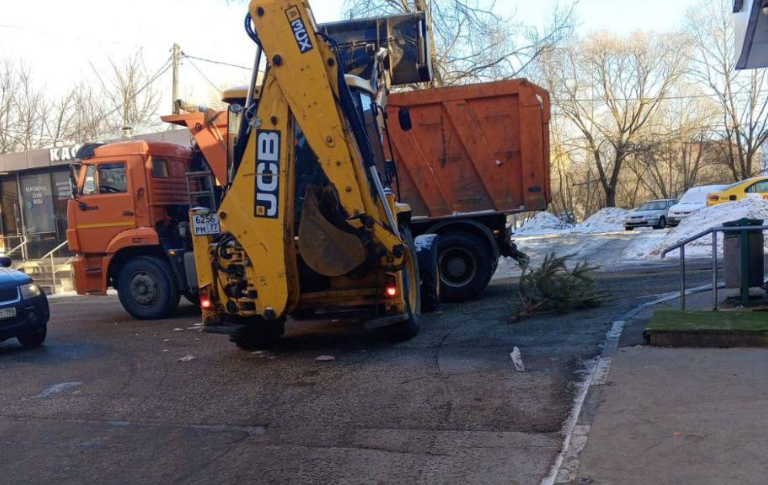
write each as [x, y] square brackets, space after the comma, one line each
[383, 322]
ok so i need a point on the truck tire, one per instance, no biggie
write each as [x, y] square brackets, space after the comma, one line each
[146, 288]
[465, 265]
[261, 335]
[409, 328]
[426, 254]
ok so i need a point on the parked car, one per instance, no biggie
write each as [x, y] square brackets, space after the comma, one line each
[651, 214]
[24, 309]
[754, 187]
[692, 201]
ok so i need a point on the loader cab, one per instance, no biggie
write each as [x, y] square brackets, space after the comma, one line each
[363, 96]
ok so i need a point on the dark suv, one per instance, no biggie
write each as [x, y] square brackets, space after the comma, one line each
[23, 307]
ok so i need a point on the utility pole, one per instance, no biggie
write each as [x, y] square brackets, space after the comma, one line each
[176, 57]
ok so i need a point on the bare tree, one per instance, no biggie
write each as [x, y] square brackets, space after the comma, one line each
[130, 94]
[609, 88]
[742, 96]
[7, 100]
[472, 42]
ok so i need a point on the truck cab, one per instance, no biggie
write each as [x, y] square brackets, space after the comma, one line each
[128, 224]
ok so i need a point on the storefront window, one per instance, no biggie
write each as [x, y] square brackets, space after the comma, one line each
[11, 214]
[37, 199]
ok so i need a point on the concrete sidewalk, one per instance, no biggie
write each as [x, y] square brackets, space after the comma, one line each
[677, 415]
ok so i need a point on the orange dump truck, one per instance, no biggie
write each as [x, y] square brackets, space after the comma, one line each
[128, 220]
[474, 155]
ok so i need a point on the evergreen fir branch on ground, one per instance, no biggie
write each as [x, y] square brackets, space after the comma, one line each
[554, 288]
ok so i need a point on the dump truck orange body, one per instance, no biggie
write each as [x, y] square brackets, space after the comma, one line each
[476, 148]
[475, 154]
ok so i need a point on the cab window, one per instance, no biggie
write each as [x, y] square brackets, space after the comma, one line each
[758, 188]
[159, 168]
[112, 178]
[89, 184]
[370, 119]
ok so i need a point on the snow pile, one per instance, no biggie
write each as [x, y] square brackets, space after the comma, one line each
[714, 216]
[610, 219]
[541, 224]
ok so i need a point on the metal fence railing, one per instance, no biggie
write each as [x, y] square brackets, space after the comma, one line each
[744, 230]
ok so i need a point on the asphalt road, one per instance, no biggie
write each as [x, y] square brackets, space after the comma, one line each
[110, 400]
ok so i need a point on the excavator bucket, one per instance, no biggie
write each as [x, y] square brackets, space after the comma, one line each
[404, 35]
[325, 248]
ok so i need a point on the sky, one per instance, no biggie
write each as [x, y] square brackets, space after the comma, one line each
[63, 42]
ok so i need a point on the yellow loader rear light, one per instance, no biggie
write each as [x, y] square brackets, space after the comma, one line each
[205, 299]
[391, 289]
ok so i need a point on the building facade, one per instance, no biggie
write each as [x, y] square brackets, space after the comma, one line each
[34, 189]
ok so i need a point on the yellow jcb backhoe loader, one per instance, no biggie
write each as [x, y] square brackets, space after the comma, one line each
[305, 225]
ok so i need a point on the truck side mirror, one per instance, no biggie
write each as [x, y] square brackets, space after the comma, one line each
[5, 261]
[404, 117]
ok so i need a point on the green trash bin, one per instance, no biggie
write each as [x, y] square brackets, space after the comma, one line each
[743, 259]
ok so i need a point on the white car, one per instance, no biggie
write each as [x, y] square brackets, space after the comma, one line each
[692, 201]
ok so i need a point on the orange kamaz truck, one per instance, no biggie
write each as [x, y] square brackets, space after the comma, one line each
[474, 155]
[128, 221]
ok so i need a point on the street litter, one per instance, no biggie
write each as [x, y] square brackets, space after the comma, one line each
[325, 358]
[517, 359]
[187, 358]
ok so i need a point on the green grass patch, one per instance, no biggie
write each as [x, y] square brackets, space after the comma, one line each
[708, 322]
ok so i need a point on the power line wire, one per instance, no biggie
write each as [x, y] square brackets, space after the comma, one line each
[204, 76]
[202, 59]
[663, 98]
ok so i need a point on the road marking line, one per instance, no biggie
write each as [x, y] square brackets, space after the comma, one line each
[570, 467]
[601, 371]
[54, 389]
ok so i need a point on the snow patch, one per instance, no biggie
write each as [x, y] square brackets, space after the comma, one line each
[541, 224]
[610, 219]
[702, 220]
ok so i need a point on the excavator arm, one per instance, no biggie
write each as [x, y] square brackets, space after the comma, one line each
[348, 221]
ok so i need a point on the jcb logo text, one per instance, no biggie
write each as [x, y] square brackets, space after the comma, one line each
[267, 174]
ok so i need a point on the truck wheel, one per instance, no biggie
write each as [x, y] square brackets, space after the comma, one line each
[410, 328]
[426, 254]
[465, 265]
[261, 335]
[146, 288]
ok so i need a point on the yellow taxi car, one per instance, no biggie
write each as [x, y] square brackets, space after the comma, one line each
[756, 187]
